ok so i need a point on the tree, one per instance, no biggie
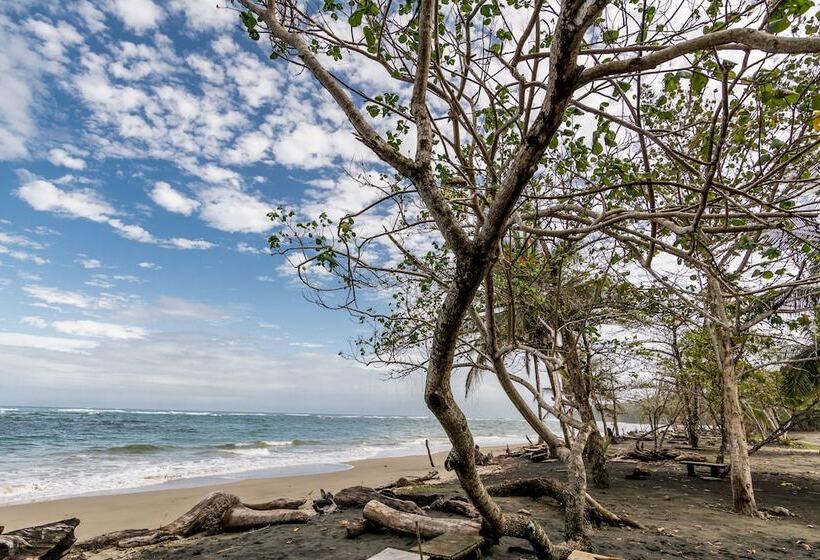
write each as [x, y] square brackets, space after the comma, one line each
[486, 99]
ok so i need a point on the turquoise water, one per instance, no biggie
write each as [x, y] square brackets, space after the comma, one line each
[48, 453]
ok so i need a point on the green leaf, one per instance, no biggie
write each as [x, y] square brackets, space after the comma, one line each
[778, 25]
[698, 82]
[670, 82]
[373, 110]
[611, 35]
[355, 19]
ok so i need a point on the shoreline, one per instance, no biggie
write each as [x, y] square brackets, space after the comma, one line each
[147, 507]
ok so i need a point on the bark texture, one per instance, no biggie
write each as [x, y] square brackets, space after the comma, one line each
[46, 542]
[743, 498]
[412, 524]
[359, 496]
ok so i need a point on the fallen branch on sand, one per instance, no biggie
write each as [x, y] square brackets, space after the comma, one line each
[404, 481]
[279, 503]
[215, 513]
[537, 487]
[413, 524]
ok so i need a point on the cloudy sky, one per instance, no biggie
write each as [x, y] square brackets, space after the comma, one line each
[141, 145]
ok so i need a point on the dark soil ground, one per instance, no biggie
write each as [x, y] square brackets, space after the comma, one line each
[686, 518]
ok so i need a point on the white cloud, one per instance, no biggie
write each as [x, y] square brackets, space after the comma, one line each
[149, 265]
[234, 211]
[88, 263]
[93, 17]
[268, 326]
[80, 203]
[56, 296]
[12, 239]
[172, 200]
[243, 247]
[22, 255]
[51, 297]
[51, 343]
[137, 15]
[20, 81]
[183, 243]
[96, 329]
[203, 15]
[266, 279]
[60, 157]
[131, 231]
[306, 344]
[34, 321]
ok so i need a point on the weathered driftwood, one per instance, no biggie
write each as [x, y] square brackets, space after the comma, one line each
[457, 506]
[358, 496]
[204, 517]
[404, 481]
[241, 517]
[149, 538]
[47, 542]
[421, 499]
[110, 539]
[413, 524]
[325, 503]
[357, 527]
[537, 487]
[278, 503]
[215, 513]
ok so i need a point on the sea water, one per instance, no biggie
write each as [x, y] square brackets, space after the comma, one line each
[48, 453]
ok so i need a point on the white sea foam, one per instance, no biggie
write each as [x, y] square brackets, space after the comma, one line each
[111, 474]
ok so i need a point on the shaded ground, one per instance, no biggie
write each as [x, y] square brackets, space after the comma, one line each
[687, 518]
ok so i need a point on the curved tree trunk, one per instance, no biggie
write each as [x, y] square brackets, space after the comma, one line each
[595, 448]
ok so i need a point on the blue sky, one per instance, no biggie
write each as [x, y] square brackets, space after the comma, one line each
[141, 144]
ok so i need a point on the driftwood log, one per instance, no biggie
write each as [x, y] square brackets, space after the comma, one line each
[358, 527]
[459, 506]
[279, 503]
[413, 524]
[421, 499]
[359, 496]
[215, 513]
[538, 487]
[47, 542]
[241, 517]
[404, 481]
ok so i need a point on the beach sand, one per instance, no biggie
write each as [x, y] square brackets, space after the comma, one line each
[685, 517]
[152, 508]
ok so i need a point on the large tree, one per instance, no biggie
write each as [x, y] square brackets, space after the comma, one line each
[479, 93]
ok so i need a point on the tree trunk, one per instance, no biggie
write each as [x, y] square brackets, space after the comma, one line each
[595, 448]
[575, 520]
[743, 497]
[692, 418]
[615, 415]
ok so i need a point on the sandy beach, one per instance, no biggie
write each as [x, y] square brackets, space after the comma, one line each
[101, 514]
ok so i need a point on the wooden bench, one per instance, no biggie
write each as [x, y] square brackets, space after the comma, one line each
[718, 470]
[450, 546]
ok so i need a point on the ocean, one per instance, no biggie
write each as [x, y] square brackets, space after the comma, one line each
[48, 453]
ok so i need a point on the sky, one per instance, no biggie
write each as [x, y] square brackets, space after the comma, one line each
[141, 145]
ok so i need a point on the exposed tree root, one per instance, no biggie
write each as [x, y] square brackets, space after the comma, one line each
[537, 487]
